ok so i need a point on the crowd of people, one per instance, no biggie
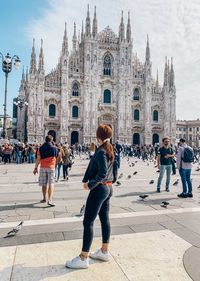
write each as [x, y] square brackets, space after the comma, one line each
[101, 173]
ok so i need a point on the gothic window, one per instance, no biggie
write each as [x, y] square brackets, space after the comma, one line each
[75, 89]
[155, 116]
[107, 96]
[75, 111]
[136, 115]
[107, 65]
[136, 139]
[52, 110]
[136, 94]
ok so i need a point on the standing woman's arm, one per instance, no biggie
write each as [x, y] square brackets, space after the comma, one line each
[102, 168]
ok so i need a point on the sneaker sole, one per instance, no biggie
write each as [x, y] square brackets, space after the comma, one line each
[98, 258]
[74, 267]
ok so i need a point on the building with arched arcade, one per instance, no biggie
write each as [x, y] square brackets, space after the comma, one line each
[101, 80]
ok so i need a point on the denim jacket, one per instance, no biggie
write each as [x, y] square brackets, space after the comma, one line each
[100, 169]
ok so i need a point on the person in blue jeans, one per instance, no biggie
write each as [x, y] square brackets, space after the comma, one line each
[164, 162]
[185, 169]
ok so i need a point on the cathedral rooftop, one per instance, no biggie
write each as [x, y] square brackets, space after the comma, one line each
[107, 35]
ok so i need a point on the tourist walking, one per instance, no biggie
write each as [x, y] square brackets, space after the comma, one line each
[66, 161]
[59, 162]
[46, 158]
[99, 176]
[118, 150]
[185, 159]
[164, 162]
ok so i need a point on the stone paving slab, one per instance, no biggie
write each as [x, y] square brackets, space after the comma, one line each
[152, 256]
[192, 261]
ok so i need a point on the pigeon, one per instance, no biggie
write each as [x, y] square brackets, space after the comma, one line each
[136, 161]
[118, 183]
[164, 204]
[130, 166]
[82, 210]
[133, 164]
[176, 182]
[198, 186]
[198, 169]
[143, 197]
[5, 173]
[135, 173]
[129, 177]
[14, 231]
[151, 182]
[120, 176]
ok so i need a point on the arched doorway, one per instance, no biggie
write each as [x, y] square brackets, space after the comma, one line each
[136, 138]
[74, 137]
[53, 134]
[155, 138]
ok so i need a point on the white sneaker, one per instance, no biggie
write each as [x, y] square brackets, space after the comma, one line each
[99, 255]
[77, 262]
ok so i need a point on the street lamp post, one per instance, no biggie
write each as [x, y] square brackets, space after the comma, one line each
[21, 102]
[7, 63]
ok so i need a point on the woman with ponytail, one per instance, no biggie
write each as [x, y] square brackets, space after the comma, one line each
[98, 178]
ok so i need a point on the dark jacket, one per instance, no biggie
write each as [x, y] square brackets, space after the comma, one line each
[48, 150]
[100, 169]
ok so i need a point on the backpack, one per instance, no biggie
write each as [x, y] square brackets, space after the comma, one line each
[188, 155]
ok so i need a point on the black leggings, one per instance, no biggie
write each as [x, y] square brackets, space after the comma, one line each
[98, 202]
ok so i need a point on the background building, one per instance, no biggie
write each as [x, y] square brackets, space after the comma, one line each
[100, 81]
[8, 125]
[190, 130]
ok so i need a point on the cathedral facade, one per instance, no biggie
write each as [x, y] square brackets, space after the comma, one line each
[100, 81]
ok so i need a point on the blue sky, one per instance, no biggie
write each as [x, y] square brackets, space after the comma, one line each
[15, 15]
[173, 27]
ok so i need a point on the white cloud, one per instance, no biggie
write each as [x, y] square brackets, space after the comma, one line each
[173, 27]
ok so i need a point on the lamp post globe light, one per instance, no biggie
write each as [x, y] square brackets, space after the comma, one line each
[7, 64]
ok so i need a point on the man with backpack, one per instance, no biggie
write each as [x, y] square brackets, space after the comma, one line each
[185, 158]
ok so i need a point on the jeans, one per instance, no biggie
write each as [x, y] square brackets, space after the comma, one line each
[31, 158]
[18, 157]
[168, 169]
[65, 171]
[186, 180]
[118, 158]
[57, 171]
[98, 202]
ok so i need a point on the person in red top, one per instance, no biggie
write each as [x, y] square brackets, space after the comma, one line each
[46, 158]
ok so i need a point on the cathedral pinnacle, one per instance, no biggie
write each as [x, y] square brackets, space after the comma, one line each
[74, 40]
[128, 29]
[65, 42]
[41, 58]
[147, 51]
[122, 28]
[94, 27]
[87, 24]
[33, 59]
[157, 81]
[27, 75]
[82, 32]
[172, 74]
[166, 73]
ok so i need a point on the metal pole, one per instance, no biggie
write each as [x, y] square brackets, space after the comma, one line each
[5, 108]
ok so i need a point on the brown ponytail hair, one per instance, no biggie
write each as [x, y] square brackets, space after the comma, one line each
[105, 132]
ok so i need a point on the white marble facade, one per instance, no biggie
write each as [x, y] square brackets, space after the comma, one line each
[100, 81]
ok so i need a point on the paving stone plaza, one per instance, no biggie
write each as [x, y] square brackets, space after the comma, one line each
[148, 242]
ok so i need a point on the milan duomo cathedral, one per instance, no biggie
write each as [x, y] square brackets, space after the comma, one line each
[100, 81]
